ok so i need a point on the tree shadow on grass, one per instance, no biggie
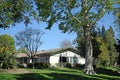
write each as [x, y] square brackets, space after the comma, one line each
[31, 76]
[105, 77]
[53, 76]
[103, 74]
[65, 76]
[57, 76]
[107, 72]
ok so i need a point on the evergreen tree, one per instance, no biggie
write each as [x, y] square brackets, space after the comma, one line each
[110, 45]
[96, 41]
[103, 57]
[103, 32]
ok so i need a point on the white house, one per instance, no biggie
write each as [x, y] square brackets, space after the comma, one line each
[56, 56]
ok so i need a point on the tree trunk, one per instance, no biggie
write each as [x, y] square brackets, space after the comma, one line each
[32, 61]
[33, 66]
[88, 52]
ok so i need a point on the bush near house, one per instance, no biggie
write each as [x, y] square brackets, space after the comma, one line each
[68, 65]
[79, 65]
[39, 65]
[24, 65]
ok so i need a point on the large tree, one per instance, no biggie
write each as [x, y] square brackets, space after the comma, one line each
[30, 40]
[73, 15]
[97, 42]
[103, 58]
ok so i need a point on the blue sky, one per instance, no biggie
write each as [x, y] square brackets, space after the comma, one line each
[52, 38]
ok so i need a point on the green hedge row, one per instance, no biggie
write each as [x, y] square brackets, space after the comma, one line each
[38, 65]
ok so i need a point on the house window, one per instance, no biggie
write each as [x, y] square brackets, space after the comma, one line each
[63, 59]
[75, 59]
[25, 60]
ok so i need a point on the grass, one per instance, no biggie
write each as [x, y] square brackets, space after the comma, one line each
[63, 74]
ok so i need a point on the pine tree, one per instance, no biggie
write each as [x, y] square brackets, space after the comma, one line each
[103, 32]
[103, 57]
[110, 45]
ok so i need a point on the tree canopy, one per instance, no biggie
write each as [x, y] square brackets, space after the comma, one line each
[16, 11]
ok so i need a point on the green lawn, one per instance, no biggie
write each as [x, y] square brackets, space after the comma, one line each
[62, 74]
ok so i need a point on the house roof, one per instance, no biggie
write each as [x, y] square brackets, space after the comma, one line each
[20, 55]
[49, 52]
[55, 51]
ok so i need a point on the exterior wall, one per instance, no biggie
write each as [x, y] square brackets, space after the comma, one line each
[70, 58]
[54, 60]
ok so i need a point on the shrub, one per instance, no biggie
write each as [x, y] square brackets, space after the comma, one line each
[39, 65]
[7, 60]
[23, 65]
[20, 66]
[59, 64]
[48, 65]
[68, 65]
[30, 65]
[79, 65]
[43, 65]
